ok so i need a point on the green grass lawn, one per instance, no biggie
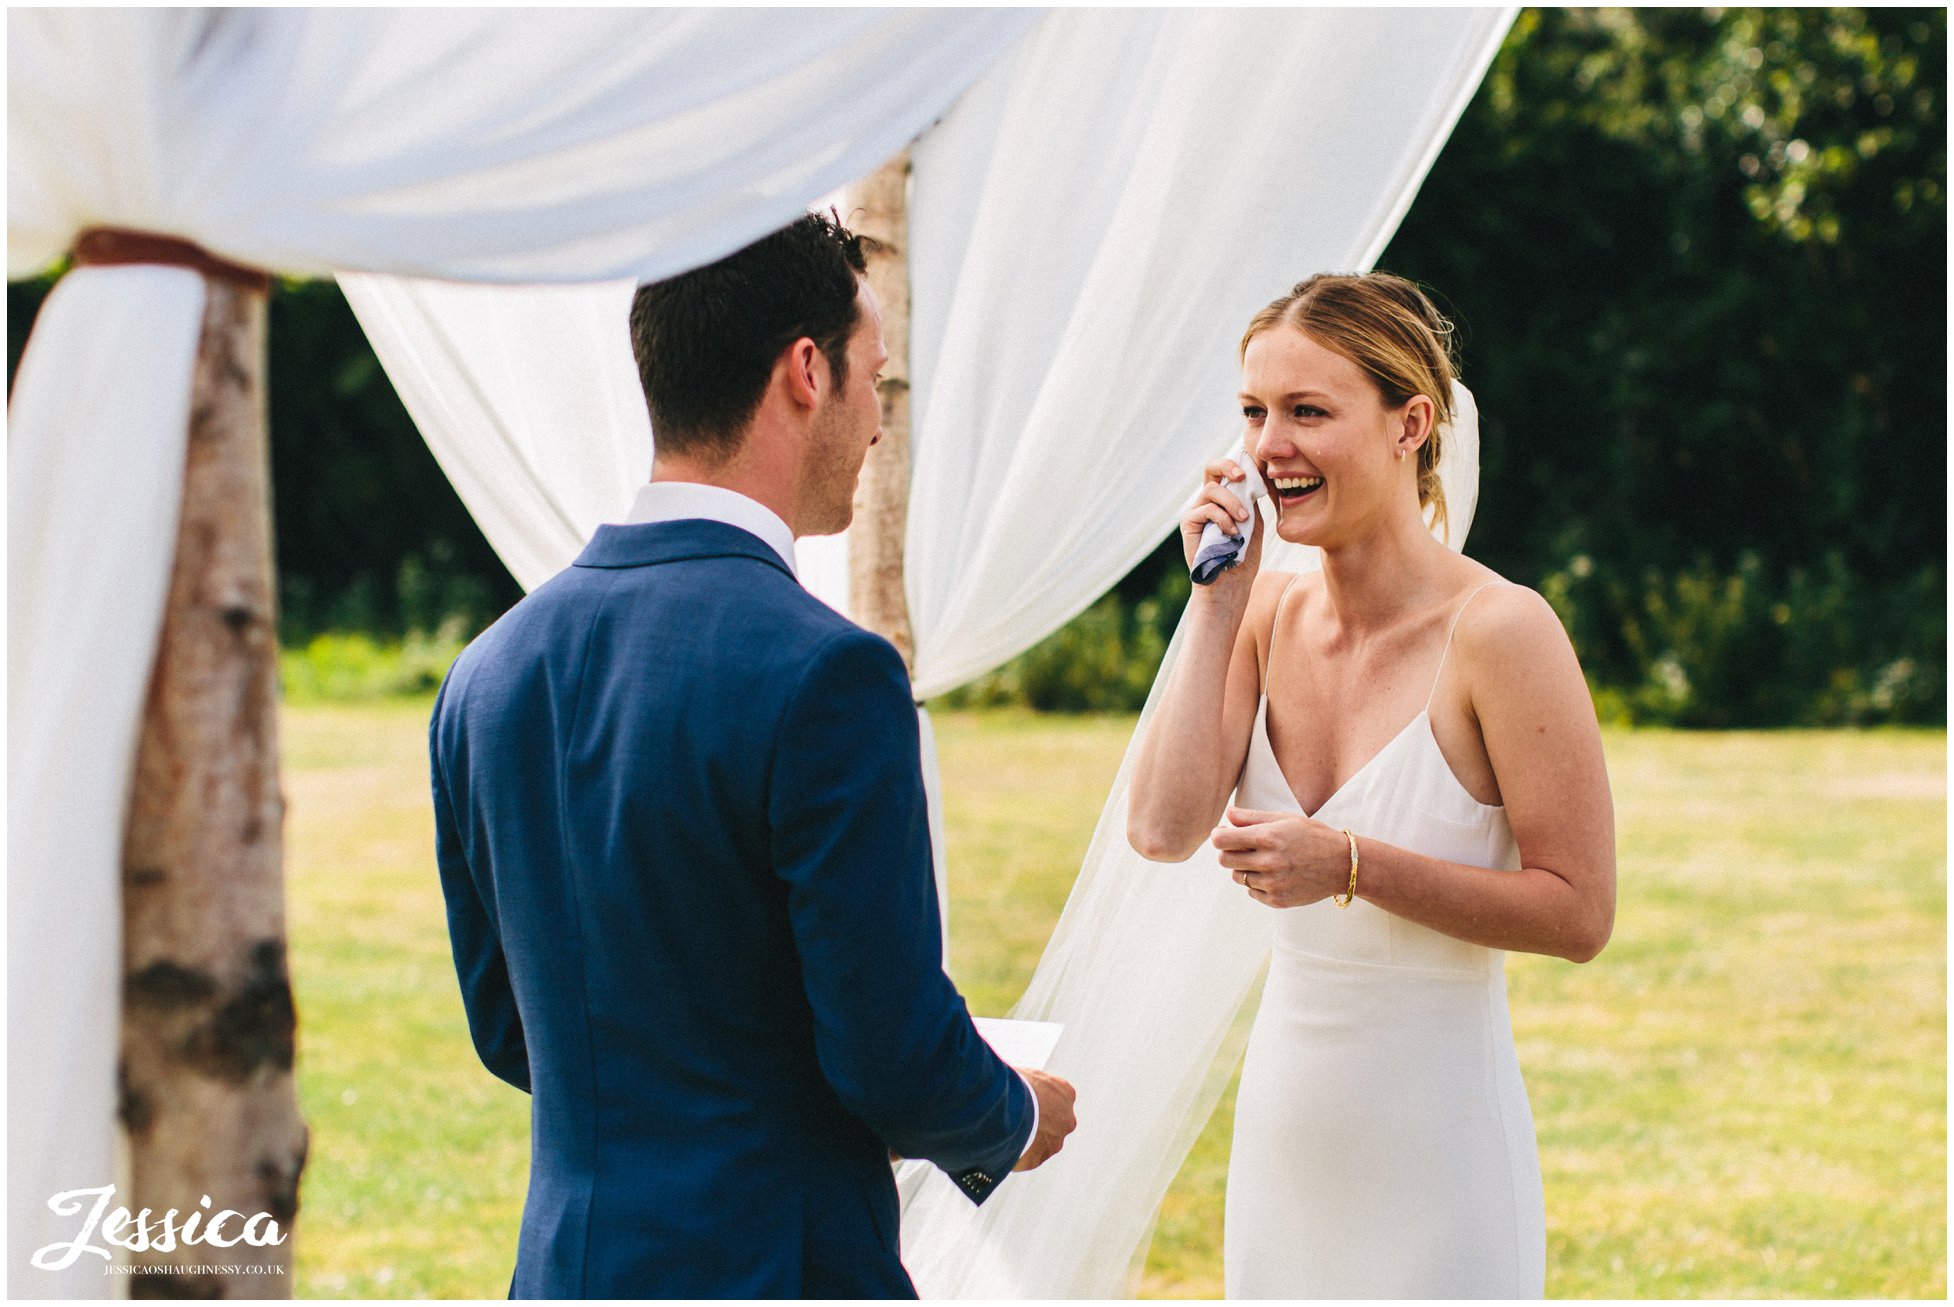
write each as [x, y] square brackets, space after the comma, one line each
[1744, 1096]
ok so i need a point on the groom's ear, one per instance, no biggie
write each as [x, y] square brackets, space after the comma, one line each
[803, 370]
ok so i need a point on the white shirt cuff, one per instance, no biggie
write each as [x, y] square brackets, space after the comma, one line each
[1034, 1112]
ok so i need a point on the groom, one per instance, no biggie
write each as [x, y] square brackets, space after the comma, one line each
[680, 826]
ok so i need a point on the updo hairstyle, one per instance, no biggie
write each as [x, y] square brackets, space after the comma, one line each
[1386, 326]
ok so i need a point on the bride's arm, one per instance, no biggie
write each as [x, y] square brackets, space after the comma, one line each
[1192, 755]
[1538, 723]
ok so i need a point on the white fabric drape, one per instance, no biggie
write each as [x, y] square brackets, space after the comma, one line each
[528, 398]
[521, 146]
[1075, 332]
[113, 453]
[491, 145]
[477, 144]
[1090, 227]
[1078, 289]
[1086, 226]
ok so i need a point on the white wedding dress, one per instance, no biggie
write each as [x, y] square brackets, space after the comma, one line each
[1384, 1147]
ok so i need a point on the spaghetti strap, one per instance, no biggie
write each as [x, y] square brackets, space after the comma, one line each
[1433, 693]
[1275, 620]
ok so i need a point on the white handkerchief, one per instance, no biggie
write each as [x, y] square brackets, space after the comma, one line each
[1220, 551]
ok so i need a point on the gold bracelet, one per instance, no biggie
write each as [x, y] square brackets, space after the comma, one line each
[1347, 898]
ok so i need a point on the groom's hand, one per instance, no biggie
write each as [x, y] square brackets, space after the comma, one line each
[1055, 1118]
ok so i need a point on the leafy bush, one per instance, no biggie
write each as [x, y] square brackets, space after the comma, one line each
[425, 593]
[1103, 660]
[354, 665]
[1752, 646]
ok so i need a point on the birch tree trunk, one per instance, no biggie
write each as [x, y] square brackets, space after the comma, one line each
[207, 1092]
[878, 206]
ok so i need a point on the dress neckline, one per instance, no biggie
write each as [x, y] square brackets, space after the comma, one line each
[1262, 734]
[1424, 714]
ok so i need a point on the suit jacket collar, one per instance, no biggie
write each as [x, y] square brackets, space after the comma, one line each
[648, 543]
[679, 501]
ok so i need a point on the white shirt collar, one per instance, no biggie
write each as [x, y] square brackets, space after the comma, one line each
[674, 501]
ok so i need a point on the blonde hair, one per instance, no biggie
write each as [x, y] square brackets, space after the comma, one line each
[1386, 326]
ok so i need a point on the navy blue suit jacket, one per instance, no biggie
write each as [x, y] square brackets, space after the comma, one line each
[679, 818]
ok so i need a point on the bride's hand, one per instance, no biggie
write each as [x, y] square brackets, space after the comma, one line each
[1220, 502]
[1283, 859]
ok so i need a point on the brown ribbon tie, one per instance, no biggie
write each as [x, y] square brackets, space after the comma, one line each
[108, 247]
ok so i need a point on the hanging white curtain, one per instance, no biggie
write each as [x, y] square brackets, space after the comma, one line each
[1087, 227]
[1090, 228]
[1094, 224]
[528, 398]
[80, 586]
[489, 145]
[1079, 292]
[476, 144]
[1066, 307]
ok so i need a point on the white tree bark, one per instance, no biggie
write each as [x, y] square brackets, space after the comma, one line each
[207, 1091]
[878, 206]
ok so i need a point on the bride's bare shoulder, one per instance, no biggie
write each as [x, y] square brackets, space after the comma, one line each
[1498, 608]
[1271, 586]
[1508, 629]
[1270, 591]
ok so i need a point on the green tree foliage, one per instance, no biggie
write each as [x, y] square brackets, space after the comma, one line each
[1698, 258]
[1698, 261]
[371, 535]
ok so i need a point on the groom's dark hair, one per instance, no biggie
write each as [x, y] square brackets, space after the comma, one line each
[706, 340]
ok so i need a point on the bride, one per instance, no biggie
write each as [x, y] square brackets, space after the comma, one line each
[1418, 787]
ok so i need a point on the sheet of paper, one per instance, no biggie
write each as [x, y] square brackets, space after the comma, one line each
[1021, 1043]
